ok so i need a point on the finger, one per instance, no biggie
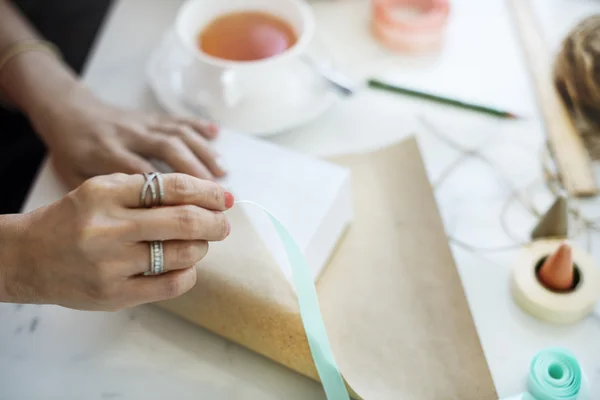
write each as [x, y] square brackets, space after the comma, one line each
[176, 223]
[149, 289]
[130, 163]
[201, 147]
[178, 254]
[179, 189]
[203, 127]
[198, 144]
[173, 151]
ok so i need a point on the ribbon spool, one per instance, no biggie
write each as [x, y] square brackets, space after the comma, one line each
[559, 307]
[410, 25]
[555, 374]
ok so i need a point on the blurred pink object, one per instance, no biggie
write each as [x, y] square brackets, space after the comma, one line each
[410, 25]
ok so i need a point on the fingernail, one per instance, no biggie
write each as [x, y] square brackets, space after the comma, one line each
[229, 200]
[228, 228]
[212, 128]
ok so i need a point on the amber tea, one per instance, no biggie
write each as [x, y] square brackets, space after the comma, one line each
[246, 36]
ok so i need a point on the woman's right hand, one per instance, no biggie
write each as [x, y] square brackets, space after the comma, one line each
[90, 250]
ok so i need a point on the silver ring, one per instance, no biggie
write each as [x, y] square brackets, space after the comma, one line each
[157, 258]
[149, 185]
[161, 189]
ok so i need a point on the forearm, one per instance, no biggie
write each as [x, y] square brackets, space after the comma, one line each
[31, 80]
[11, 234]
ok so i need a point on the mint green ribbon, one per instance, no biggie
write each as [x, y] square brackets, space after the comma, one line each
[555, 374]
[310, 312]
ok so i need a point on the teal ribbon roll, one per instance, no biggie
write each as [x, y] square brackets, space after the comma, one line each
[555, 374]
[310, 312]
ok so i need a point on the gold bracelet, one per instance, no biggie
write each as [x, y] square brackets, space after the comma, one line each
[25, 46]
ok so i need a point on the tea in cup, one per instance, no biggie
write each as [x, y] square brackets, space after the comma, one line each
[246, 36]
[244, 54]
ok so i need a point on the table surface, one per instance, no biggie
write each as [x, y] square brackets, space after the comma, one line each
[147, 353]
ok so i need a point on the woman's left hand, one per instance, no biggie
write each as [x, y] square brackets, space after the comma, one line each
[88, 137]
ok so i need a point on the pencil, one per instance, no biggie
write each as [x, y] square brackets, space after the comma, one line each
[376, 84]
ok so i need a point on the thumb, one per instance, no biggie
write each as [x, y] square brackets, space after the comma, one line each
[68, 176]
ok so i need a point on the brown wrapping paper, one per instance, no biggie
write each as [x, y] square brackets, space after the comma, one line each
[391, 297]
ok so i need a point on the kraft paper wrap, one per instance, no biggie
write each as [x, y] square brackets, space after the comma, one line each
[391, 297]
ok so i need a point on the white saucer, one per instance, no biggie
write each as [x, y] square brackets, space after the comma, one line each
[164, 77]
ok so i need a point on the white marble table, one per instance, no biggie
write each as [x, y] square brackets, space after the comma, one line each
[54, 353]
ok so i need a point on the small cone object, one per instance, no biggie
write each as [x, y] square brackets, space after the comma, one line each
[555, 222]
[557, 272]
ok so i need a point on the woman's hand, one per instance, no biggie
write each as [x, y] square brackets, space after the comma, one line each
[88, 137]
[90, 250]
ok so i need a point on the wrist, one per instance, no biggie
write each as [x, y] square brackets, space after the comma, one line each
[12, 244]
[37, 83]
[35, 78]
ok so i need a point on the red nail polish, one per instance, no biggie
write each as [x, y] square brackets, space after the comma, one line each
[229, 200]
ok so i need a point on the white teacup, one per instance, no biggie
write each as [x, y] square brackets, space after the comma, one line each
[222, 87]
